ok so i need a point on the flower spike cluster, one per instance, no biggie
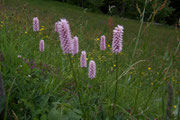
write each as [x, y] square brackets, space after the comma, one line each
[92, 69]
[103, 43]
[75, 45]
[117, 39]
[41, 45]
[83, 59]
[65, 36]
[35, 24]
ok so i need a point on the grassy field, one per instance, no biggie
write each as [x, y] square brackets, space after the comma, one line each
[41, 85]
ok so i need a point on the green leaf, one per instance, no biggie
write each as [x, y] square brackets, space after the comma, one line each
[54, 115]
[2, 103]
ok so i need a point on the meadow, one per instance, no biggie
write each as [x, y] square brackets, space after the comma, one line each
[41, 85]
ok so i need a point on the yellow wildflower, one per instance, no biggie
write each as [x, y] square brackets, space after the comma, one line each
[149, 68]
[25, 32]
[86, 58]
[152, 83]
[174, 106]
[42, 26]
[41, 29]
[97, 39]
[114, 65]
[109, 45]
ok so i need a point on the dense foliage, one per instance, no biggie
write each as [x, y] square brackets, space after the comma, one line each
[166, 12]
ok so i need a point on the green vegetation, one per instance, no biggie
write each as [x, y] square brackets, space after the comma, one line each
[41, 86]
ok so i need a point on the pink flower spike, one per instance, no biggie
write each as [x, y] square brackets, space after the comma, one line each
[83, 59]
[103, 43]
[35, 24]
[55, 27]
[92, 69]
[75, 47]
[65, 36]
[117, 39]
[41, 45]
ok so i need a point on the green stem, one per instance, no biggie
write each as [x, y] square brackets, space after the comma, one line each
[140, 28]
[9, 92]
[77, 88]
[137, 94]
[116, 86]
[163, 106]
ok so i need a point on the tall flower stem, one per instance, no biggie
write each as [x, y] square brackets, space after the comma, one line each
[137, 95]
[77, 87]
[116, 85]
[140, 28]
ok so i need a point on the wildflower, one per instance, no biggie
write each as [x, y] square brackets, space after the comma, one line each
[92, 69]
[149, 68]
[152, 83]
[65, 36]
[42, 26]
[35, 24]
[103, 43]
[29, 76]
[55, 27]
[114, 65]
[97, 39]
[19, 56]
[75, 47]
[42, 29]
[41, 45]
[117, 39]
[83, 59]
[174, 106]
[25, 32]
[109, 45]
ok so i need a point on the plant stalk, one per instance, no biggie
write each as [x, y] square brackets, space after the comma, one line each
[116, 85]
[140, 28]
[77, 88]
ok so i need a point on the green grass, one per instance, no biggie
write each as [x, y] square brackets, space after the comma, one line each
[48, 91]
